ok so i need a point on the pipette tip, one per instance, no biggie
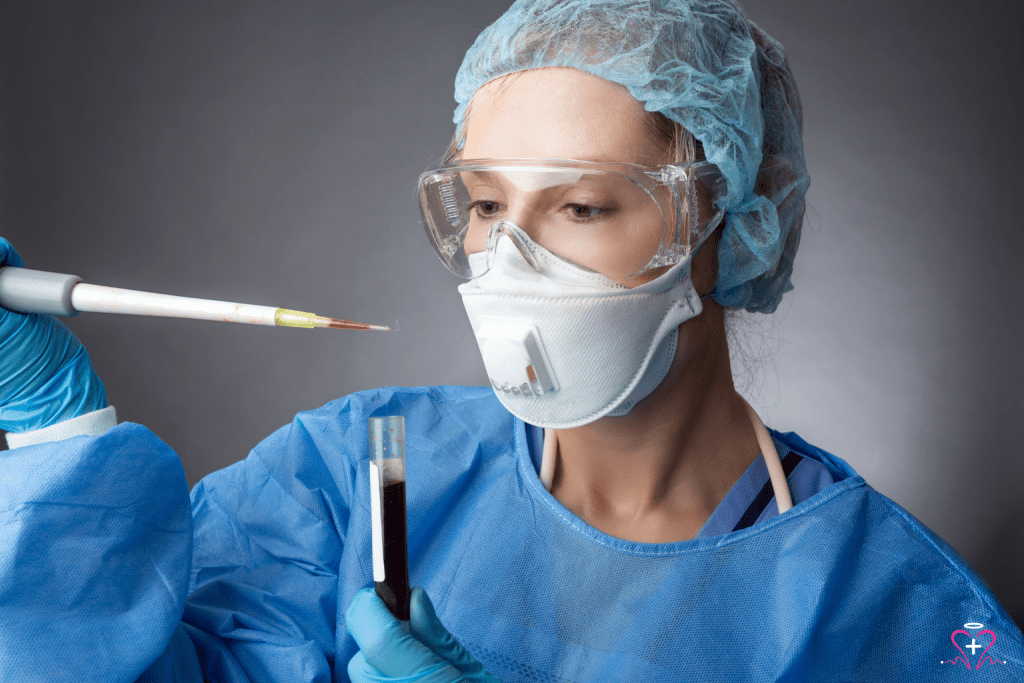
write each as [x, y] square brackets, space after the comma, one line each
[339, 324]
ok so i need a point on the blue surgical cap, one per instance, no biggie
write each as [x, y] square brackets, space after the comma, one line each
[704, 65]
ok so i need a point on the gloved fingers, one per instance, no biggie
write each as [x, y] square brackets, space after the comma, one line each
[387, 647]
[428, 628]
[361, 671]
[46, 375]
[8, 255]
[36, 348]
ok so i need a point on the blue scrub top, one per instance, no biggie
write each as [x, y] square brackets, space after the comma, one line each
[110, 572]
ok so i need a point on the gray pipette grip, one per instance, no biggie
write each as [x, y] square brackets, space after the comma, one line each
[36, 291]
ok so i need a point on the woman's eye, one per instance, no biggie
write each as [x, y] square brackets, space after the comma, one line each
[583, 211]
[486, 208]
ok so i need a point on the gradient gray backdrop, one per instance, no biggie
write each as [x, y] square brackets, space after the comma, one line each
[267, 152]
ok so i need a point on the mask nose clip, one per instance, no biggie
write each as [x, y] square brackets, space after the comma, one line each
[518, 237]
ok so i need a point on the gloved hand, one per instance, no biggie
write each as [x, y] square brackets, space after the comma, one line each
[388, 653]
[46, 376]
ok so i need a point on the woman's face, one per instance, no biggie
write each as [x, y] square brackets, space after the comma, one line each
[563, 113]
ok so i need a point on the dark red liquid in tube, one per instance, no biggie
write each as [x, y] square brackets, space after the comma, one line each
[394, 589]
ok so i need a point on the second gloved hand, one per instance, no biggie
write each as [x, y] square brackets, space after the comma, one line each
[388, 653]
[46, 376]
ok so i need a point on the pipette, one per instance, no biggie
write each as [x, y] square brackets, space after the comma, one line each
[36, 291]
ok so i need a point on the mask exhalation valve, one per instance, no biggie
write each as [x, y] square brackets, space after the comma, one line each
[514, 357]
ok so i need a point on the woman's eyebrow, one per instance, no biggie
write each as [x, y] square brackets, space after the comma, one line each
[481, 175]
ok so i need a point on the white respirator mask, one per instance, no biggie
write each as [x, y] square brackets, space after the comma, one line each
[564, 346]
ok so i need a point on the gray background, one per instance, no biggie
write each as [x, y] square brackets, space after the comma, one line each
[267, 152]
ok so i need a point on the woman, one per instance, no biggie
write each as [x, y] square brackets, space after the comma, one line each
[609, 510]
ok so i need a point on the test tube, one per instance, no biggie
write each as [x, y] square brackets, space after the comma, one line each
[387, 503]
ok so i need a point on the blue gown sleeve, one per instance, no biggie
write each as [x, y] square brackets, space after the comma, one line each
[109, 572]
[95, 541]
[268, 535]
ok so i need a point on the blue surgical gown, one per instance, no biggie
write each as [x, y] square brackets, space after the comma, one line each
[109, 572]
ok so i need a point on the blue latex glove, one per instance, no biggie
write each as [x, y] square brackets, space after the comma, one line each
[46, 376]
[388, 653]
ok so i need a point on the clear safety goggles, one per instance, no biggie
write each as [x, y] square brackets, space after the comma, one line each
[617, 219]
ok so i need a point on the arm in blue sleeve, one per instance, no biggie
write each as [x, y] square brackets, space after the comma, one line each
[268, 540]
[95, 547]
[100, 545]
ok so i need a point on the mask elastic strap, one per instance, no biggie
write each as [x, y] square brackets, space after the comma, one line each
[771, 459]
[547, 462]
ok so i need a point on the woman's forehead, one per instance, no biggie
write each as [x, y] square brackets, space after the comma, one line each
[560, 113]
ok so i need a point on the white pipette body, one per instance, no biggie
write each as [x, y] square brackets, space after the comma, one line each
[35, 291]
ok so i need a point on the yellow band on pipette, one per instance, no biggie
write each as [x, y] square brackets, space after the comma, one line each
[285, 317]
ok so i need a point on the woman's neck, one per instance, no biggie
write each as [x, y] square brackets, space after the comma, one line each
[656, 474]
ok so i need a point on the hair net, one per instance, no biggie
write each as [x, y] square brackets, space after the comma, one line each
[702, 64]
